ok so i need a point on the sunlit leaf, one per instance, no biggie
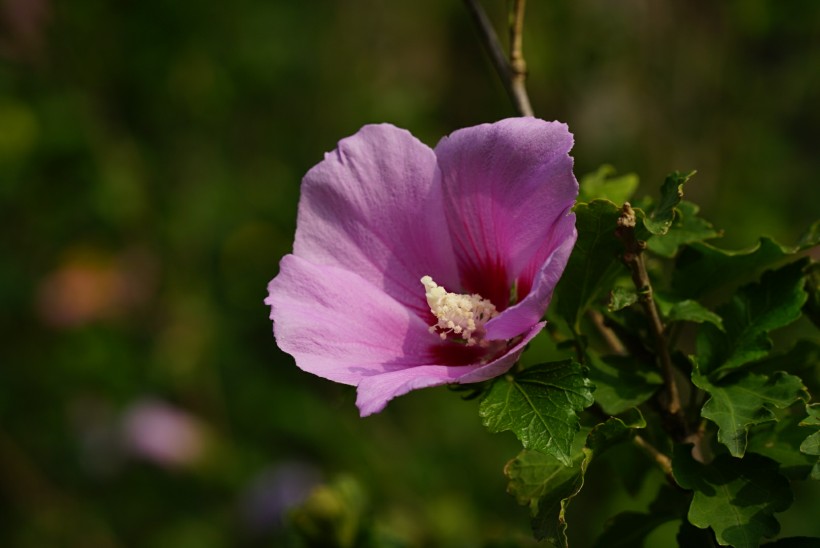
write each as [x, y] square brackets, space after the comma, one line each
[659, 219]
[539, 406]
[603, 185]
[811, 445]
[687, 228]
[735, 497]
[547, 485]
[621, 297]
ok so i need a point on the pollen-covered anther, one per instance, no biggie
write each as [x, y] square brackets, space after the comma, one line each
[458, 314]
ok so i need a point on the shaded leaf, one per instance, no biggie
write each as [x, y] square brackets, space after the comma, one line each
[538, 405]
[812, 307]
[701, 267]
[744, 399]
[594, 262]
[755, 310]
[547, 486]
[621, 297]
[602, 185]
[802, 360]
[686, 229]
[659, 220]
[780, 441]
[735, 497]
[794, 542]
[629, 529]
[687, 311]
[622, 382]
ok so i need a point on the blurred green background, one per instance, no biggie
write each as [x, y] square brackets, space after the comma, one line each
[150, 160]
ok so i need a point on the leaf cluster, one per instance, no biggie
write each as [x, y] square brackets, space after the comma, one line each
[657, 321]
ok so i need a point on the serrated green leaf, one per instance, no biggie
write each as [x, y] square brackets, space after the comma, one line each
[811, 445]
[659, 220]
[687, 311]
[780, 441]
[744, 399]
[602, 185]
[594, 261]
[622, 382]
[538, 405]
[687, 228]
[630, 529]
[701, 267]
[614, 430]
[621, 297]
[755, 310]
[547, 486]
[735, 497]
[803, 360]
[813, 418]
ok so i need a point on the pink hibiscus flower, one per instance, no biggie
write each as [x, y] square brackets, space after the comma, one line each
[415, 267]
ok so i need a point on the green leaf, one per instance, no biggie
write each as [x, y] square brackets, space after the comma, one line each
[601, 185]
[538, 405]
[621, 297]
[701, 267]
[780, 441]
[813, 419]
[802, 360]
[687, 311]
[630, 529]
[547, 486]
[744, 399]
[659, 220]
[735, 497]
[594, 262]
[811, 445]
[622, 382]
[755, 310]
[812, 308]
[687, 228]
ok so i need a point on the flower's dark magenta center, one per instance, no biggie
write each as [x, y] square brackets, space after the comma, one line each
[490, 281]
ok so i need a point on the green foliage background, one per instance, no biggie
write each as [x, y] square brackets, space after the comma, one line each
[150, 159]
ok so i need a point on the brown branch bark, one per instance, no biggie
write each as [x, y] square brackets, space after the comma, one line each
[633, 258]
[513, 79]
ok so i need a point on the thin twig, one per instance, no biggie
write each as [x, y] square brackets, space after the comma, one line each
[518, 65]
[633, 258]
[662, 460]
[517, 92]
[612, 341]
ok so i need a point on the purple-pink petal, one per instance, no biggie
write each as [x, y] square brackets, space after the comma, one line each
[372, 207]
[375, 391]
[505, 185]
[341, 327]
